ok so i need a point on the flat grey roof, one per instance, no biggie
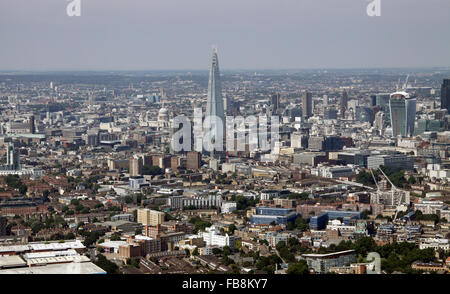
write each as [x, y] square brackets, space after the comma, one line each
[67, 268]
[11, 261]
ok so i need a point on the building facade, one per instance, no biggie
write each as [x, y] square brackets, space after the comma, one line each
[403, 114]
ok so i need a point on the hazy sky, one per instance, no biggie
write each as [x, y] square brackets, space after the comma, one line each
[250, 34]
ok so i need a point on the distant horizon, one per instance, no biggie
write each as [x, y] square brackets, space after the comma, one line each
[206, 70]
[255, 35]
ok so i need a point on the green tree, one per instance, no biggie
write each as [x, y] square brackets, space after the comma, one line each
[298, 268]
[301, 196]
[151, 170]
[108, 266]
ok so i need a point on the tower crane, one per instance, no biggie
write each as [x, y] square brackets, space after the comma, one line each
[378, 187]
[394, 189]
[406, 82]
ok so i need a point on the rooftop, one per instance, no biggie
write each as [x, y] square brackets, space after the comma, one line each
[64, 268]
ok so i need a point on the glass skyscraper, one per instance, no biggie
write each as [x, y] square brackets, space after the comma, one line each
[343, 103]
[402, 114]
[307, 105]
[445, 95]
[215, 116]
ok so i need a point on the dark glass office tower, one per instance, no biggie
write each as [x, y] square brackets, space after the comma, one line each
[343, 103]
[275, 102]
[445, 95]
[307, 105]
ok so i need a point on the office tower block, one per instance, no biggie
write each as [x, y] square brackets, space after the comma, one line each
[163, 161]
[193, 160]
[343, 103]
[136, 166]
[329, 113]
[174, 162]
[12, 157]
[379, 122]
[215, 117]
[382, 99]
[32, 125]
[92, 139]
[149, 217]
[227, 104]
[373, 100]
[445, 95]
[307, 105]
[275, 102]
[403, 114]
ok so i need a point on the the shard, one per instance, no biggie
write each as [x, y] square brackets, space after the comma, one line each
[214, 109]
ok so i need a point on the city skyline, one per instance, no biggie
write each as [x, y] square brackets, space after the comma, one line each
[323, 147]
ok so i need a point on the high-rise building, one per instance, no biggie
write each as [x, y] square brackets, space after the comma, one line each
[427, 125]
[382, 99]
[174, 162]
[445, 95]
[329, 113]
[215, 117]
[227, 104]
[379, 122]
[149, 217]
[373, 100]
[135, 166]
[275, 102]
[163, 161]
[32, 125]
[325, 100]
[402, 113]
[307, 105]
[12, 157]
[92, 139]
[343, 103]
[193, 160]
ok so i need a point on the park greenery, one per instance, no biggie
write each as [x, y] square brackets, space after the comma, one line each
[299, 196]
[14, 182]
[199, 224]
[299, 224]
[395, 257]
[243, 203]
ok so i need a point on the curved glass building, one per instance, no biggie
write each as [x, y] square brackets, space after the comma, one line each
[402, 113]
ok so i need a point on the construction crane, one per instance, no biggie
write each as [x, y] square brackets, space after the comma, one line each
[394, 189]
[378, 187]
[375, 180]
[404, 85]
[406, 82]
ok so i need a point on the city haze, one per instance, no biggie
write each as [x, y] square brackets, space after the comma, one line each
[251, 34]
